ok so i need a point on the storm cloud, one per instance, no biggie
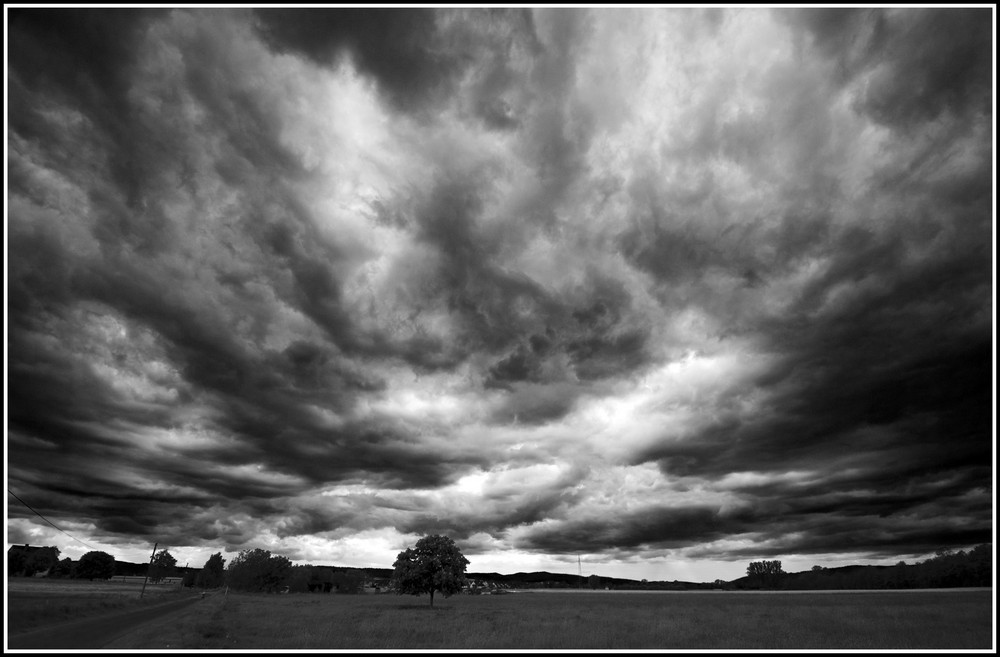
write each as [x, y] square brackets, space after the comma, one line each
[653, 285]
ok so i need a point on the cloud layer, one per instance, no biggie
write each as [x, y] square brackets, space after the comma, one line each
[642, 284]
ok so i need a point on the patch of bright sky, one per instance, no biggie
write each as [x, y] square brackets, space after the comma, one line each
[42, 534]
[669, 401]
[442, 399]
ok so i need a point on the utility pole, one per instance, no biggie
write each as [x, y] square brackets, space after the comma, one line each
[146, 578]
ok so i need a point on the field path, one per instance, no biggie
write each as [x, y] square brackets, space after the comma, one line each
[93, 632]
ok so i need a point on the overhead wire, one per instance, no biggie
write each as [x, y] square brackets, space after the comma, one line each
[49, 521]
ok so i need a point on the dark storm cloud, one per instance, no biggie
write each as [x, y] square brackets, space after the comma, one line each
[461, 526]
[258, 394]
[398, 46]
[597, 340]
[500, 508]
[416, 55]
[538, 403]
[923, 63]
[51, 379]
[868, 511]
[883, 360]
[248, 295]
[824, 406]
[874, 509]
[660, 527]
[83, 58]
[302, 267]
[113, 500]
[893, 384]
[514, 317]
[479, 292]
[501, 40]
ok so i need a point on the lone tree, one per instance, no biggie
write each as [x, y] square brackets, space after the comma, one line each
[95, 565]
[434, 564]
[162, 565]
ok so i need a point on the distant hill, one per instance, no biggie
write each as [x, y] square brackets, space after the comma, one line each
[542, 579]
[946, 569]
[545, 579]
[130, 569]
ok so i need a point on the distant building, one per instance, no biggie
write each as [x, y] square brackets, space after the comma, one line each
[20, 558]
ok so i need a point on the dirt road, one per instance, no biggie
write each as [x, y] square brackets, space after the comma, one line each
[94, 632]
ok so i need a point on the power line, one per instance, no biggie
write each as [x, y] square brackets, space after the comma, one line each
[47, 520]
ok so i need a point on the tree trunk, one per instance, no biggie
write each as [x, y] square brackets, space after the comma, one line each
[432, 597]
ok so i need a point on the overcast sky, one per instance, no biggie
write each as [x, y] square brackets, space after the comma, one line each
[662, 290]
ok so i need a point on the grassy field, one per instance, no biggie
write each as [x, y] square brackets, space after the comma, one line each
[33, 603]
[682, 621]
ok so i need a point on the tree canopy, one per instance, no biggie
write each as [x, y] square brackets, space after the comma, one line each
[64, 568]
[766, 574]
[95, 565]
[28, 562]
[162, 565]
[258, 570]
[434, 564]
[213, 573]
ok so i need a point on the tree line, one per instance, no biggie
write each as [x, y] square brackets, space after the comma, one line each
[92, 565]
[946, 569]
[436, 565]
[253, 570]
[433, 565]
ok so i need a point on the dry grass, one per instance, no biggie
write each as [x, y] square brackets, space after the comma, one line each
[36, 603]
[610, 621]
